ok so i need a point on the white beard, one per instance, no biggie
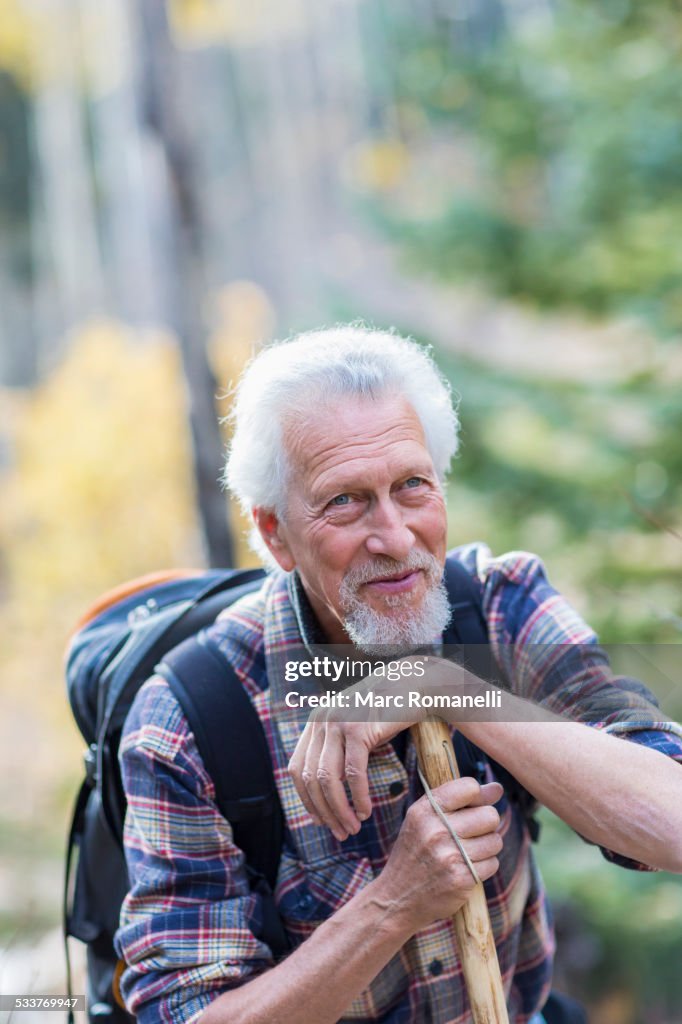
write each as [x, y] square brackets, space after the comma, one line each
[395, 632]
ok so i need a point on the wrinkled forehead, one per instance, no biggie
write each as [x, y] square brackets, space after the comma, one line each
[356, 432]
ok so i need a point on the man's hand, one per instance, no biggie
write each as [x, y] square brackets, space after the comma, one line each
[332, 751]
[426, 878]
[328, 753]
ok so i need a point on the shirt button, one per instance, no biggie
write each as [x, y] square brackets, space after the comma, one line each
[396, 788]
[435, 968]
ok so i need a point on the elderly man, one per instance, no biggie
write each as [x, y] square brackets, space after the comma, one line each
[342, 440]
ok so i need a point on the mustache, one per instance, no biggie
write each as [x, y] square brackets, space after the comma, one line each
[386, 566]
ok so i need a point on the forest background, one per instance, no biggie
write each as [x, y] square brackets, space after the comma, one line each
[180, 182]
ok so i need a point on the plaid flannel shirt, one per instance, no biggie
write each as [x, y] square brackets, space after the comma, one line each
[189, 922]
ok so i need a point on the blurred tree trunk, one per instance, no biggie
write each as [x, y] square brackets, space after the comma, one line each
[131, 179]
[65, 197]
[165, 114]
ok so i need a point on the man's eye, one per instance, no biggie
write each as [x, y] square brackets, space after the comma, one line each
[340, 499]
[414, 481]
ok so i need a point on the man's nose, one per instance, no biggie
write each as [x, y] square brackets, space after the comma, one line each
[389, 534]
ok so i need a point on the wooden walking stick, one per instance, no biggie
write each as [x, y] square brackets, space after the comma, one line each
[477, 952]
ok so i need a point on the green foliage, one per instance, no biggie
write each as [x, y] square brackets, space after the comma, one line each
[576, 132]
[581, 473]
[629, 922]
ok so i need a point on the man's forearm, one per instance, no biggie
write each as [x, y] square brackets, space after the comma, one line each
[320, 979]
[615, 793]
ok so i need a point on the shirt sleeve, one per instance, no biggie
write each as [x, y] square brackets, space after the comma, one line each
[546, 653]
[189, 923]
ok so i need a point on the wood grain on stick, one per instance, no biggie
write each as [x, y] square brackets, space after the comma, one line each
[477, 952]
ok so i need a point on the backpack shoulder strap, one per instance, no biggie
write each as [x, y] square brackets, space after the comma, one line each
[468, 625]
[468, 641]
[467, 633]
[235, 753]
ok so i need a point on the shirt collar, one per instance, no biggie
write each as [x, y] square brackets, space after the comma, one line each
[306, 620]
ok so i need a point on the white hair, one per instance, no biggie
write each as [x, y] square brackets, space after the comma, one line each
[311, 369]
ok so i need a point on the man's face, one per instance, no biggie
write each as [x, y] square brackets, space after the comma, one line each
[365, 524]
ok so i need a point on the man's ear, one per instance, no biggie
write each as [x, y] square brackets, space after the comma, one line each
[269, 527]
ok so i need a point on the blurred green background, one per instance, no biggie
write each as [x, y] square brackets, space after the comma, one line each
[180, 182]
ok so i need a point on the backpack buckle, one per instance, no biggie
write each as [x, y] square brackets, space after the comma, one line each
[142, 612]
[90, 762]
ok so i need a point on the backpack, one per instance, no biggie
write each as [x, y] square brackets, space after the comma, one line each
[153, 624]
[117, 645]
